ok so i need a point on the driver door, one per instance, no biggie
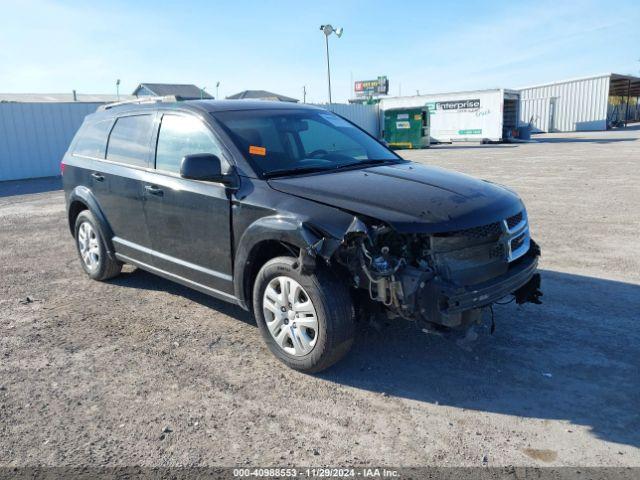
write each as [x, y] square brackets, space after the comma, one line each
[188, 220]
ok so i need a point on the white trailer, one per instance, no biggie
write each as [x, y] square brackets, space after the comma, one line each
[478, 116]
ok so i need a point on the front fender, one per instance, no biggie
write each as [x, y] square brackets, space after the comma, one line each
[84, 195]
[310, 240]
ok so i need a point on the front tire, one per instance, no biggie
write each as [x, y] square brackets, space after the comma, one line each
[94, 258]
[306, 320]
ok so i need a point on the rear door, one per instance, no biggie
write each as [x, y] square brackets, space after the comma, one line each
[128, 156]
[91, 146]
[188, 220]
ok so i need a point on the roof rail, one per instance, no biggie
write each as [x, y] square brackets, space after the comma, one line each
[142, 100]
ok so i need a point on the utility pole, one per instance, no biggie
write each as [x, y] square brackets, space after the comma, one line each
[626, 113]
[217, 86]
[326, 38]
[118, 89]
[328, 30]
[304, 94]
[351, 85]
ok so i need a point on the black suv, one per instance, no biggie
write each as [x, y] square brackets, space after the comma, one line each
[294, 213]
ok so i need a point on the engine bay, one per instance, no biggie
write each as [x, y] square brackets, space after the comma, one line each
[443, 279]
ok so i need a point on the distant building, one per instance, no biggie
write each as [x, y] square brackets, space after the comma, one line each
[262, 95]
[72, 97]
[36, 128]
[589, 103]
[35, 131]
[184, 91]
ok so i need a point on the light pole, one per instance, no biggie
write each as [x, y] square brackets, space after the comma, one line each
[328, 30]
[118, 89]
[217, 86]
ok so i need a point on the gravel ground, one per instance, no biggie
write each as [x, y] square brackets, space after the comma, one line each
[140, 371]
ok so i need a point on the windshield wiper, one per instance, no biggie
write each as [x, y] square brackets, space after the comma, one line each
[364, 163]
[299, 170]
[294, 171]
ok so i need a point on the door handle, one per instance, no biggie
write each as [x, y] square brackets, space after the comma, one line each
[153, 190]
[97, 177]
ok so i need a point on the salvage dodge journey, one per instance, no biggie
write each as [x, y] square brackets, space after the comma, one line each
[296, 214]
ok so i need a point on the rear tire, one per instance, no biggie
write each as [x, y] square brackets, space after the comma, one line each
[307, 321]
[94, 257]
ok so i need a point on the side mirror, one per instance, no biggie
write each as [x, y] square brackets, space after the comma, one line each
[203, 166]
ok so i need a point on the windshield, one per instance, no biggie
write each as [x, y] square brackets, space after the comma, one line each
[282, 142]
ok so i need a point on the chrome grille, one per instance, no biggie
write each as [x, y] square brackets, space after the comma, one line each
[511, 236]
[517, 235]
[514, 220]
[517, 242]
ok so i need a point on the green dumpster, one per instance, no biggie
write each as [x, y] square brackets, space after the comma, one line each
[406, 127]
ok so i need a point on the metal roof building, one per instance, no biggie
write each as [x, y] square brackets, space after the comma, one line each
[185, 91]
[35, 135]
[589, 103]
[36, 128]
[62, 97]
[261, 95]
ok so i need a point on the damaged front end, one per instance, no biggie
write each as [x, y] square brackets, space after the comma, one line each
[442, 279]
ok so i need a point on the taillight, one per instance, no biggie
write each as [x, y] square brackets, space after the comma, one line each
[62, 165]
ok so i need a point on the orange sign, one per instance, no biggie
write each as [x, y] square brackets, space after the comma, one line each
[253, 150]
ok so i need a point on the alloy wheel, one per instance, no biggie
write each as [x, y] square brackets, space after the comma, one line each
[88, 245]
[290, 316]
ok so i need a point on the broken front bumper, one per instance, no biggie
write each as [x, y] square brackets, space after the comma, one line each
[442, 301]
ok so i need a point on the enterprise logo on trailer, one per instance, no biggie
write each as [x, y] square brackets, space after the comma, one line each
[473, 104]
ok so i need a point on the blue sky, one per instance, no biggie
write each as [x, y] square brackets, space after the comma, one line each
[57, 46]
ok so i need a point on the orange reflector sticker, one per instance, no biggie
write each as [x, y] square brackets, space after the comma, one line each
[253, 150]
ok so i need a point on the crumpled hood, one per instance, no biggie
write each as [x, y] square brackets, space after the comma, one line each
[410, 197]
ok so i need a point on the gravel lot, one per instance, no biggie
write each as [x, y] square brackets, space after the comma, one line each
[94, 373]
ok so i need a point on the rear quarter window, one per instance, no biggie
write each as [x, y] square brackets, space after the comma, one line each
[129, 140]
[92, 139]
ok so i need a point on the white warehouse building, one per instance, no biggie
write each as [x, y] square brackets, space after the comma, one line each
[590, 103]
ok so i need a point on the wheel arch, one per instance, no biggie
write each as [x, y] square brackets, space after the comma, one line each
[267, 238]
[81, 198]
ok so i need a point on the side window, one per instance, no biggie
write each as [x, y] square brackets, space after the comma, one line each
[129, 140]
[179, 136]
[92, 139]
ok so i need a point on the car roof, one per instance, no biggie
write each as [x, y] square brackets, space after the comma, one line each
[202, 106]
[228, 105]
